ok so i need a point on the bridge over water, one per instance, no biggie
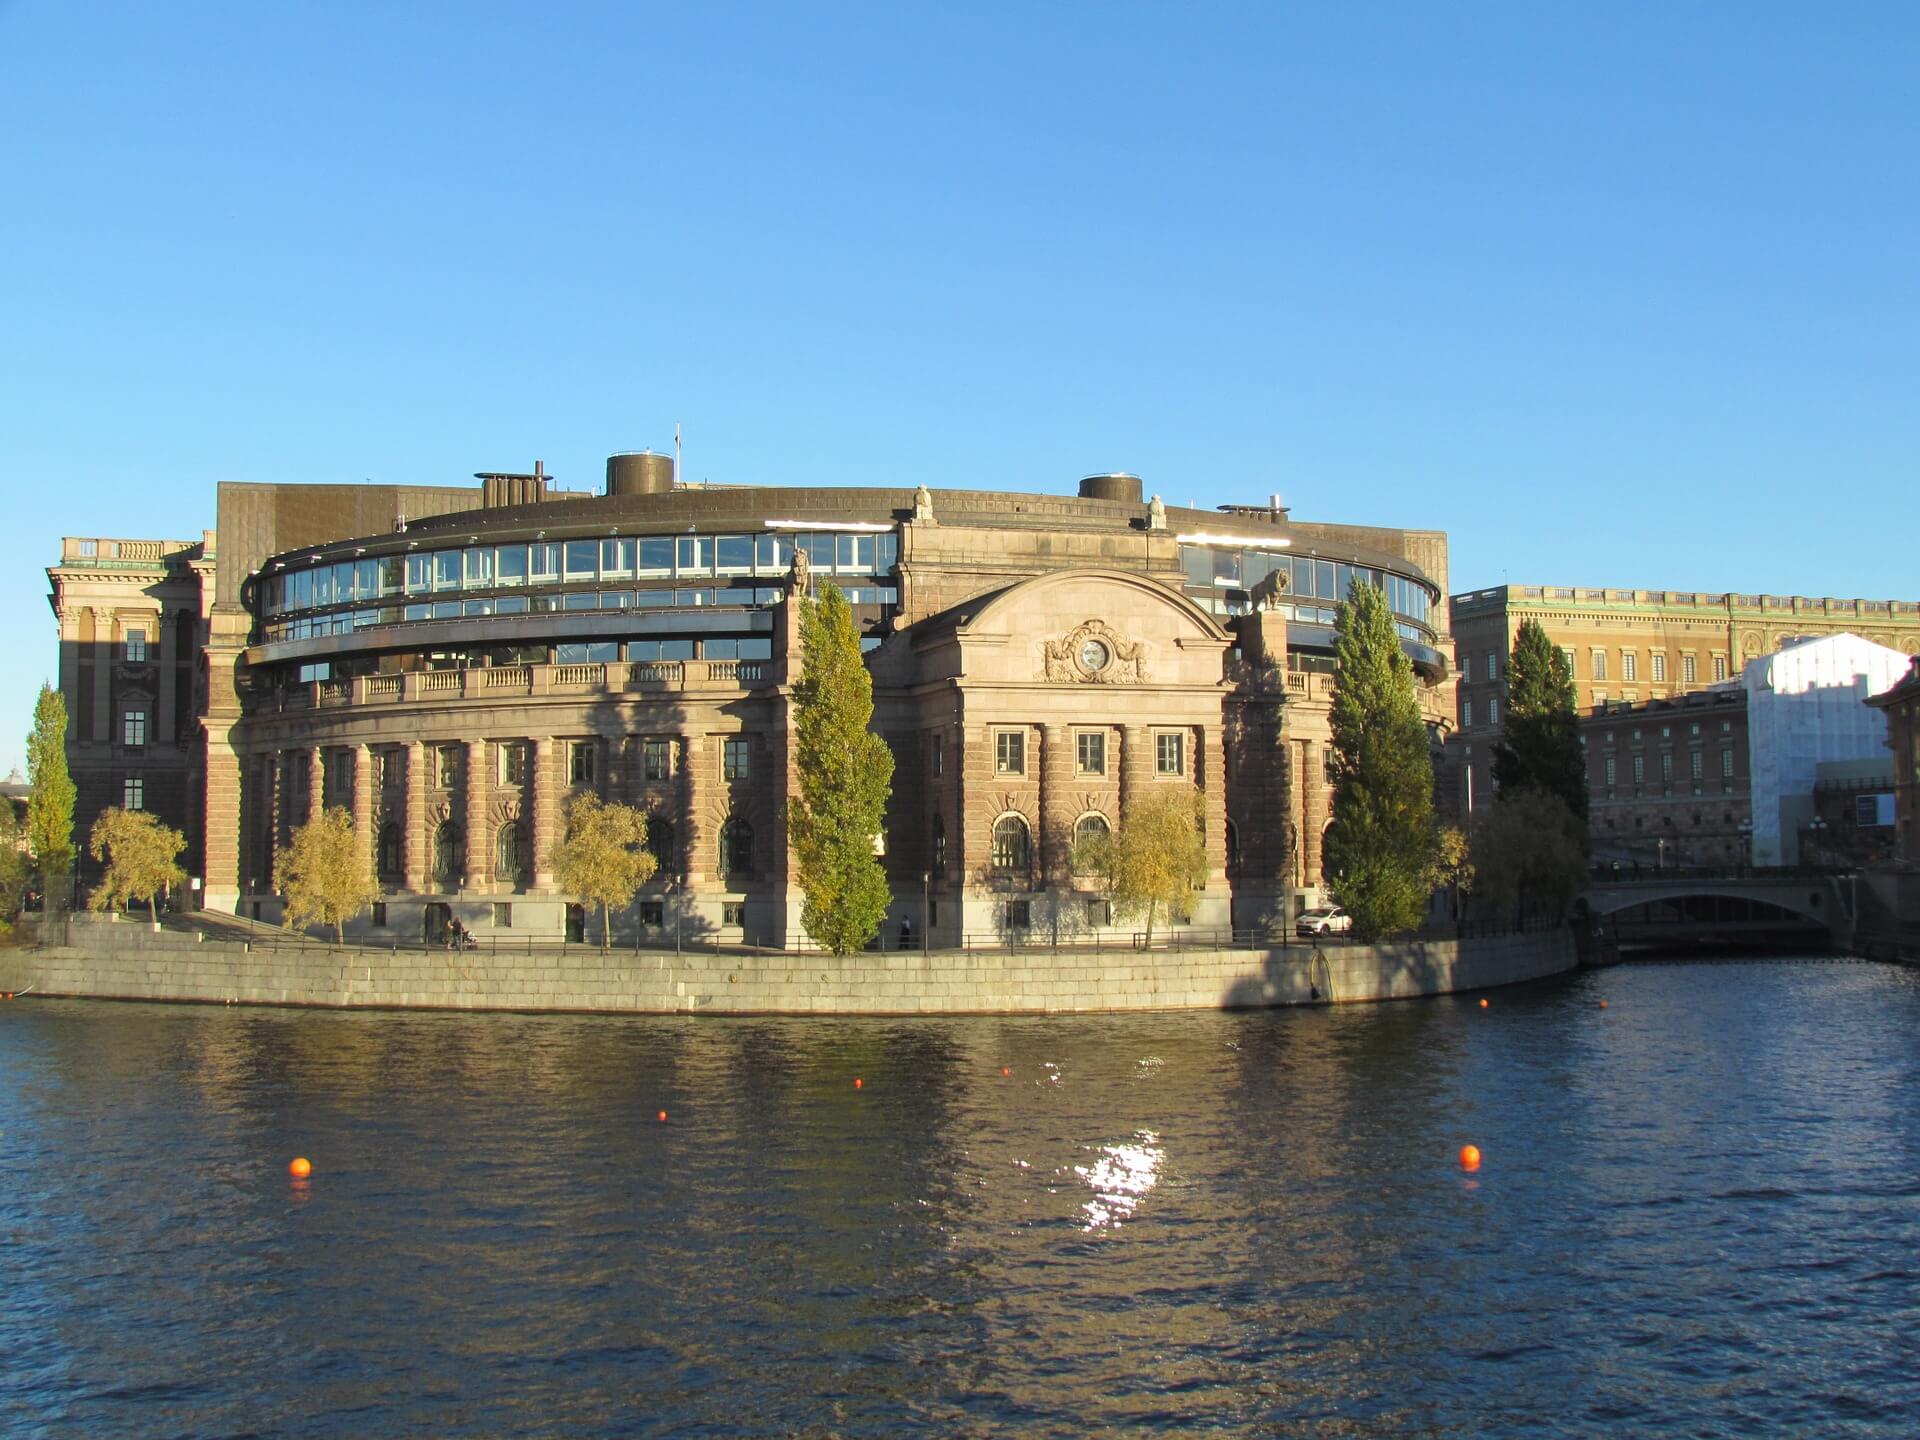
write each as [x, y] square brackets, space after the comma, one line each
[1745, 905]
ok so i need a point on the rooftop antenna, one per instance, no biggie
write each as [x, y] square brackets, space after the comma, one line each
[676, 453]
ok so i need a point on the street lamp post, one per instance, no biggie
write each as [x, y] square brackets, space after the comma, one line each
[673, 898]
[926, 908]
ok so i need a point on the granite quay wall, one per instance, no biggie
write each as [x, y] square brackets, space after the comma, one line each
[131, 962]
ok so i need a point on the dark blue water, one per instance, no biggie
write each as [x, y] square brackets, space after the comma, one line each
[1699, 1214]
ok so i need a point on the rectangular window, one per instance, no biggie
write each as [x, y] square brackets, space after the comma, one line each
[1697, 762]
[653, 913]
[656, 557]
[1099, 912]
[1466, 668]
[582, 559]
[136, 729]
[693, 554]
[1019, 915]
[379, 914]
[736, 758]
[1493, 665]
[1493, 710]
[1629, 665]
[513, 762]
[1091, 753]
[656, 760]
[1466, 714]
[1719, 667]
[449, 766]
[1599, 659]
[446, 569]
[580, 762]
[502, 915]
[1010, 753]
[1659, 666]
[1566, 653]
[733, 554]
[136, 645]
[133, 794]
[1726, 764]
[1170, 754]
[1666, 768]
[1610, 771]
[733, 913]
[1689, 669]
[939, 756]
[1639, 769]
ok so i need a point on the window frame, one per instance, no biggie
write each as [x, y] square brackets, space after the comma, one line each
[1096, 741]
[1162, 739]
[1010, 753]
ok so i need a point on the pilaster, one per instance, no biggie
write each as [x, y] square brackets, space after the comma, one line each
[413, 839]
[546, 782]
[479, 852]
[1055, 818]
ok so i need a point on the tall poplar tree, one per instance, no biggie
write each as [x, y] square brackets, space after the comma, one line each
[1380, 848]
[50, 806]
[1539, 745]
[845, 775]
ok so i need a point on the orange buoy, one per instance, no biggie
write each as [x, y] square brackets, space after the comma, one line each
[300, 1167]
[858, 1082]
[1603, 1004]
[1483, 1004]
[1006, 1070]
[1469, 1157]
[663, 1117]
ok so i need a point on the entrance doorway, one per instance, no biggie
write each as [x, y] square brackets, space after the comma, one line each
[576, 924]
[438, 920]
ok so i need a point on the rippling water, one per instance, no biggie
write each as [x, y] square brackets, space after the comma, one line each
[1698, 1215]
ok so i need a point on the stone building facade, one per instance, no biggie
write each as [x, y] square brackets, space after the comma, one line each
[1668, 781]
[451, 666]
[1901, 704]
[1628, 647]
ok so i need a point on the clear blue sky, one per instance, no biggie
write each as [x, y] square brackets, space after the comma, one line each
[1623, 294]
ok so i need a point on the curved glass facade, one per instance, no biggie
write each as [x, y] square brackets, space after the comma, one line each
[1221, 580]
[612, 573]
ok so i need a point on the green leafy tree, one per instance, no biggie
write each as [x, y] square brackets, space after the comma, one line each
[13, 868]
[1529, 856]
[1539, 745]
[327, 880]
[845, 775]
[50, 807]
[1156, 861]
[140, 854]
[603, 857]
[1379, 849]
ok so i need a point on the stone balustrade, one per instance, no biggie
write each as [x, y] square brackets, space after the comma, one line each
[504, 681]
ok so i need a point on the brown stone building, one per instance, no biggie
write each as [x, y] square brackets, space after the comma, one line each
[451, 665]
[1902, 706]
[1668, 780]
[1634, 646]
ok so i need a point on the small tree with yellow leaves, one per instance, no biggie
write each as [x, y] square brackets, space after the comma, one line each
[139, 853]
[326, 878]
[1155, 861]
[603, 857]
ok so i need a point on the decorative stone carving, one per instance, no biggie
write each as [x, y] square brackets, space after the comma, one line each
[1094, 653]
[1267, 590]
[1156, 514]
[504, 809]
[801, 575]
[923, 505]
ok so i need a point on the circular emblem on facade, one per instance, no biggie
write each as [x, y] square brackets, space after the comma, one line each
[1094, 655]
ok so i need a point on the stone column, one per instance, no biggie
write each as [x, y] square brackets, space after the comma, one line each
[1210, 773]
[316, 782]
[1311, 772]
[222, 826]
[273, 815]
[479, 852]
[163, 726]
[413, 837]
[697, 846]
[104, 641]
[1136, 767]
[1056, 819]
[363, 761]
[545, 781]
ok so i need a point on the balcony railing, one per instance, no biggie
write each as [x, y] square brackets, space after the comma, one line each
[429, 686]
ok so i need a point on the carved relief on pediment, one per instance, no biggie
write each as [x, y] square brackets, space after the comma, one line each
[1094, 653]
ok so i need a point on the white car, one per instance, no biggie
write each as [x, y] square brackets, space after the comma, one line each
[1327, 920]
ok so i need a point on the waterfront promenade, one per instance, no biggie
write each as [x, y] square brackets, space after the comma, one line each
[130, 961]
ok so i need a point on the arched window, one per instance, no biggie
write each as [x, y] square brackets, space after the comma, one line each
[660, 843]
[391, 859]
[1010, 847]
[507, 859]
[937, 851]
[736, 846]
[1087, 829]
[449, 854]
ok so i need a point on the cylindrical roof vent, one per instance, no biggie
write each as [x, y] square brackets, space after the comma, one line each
[1118, 486]
[639, 473]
